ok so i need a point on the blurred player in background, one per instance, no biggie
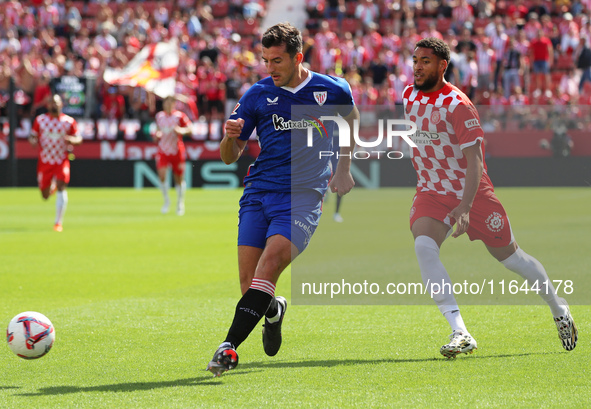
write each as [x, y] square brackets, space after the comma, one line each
[281, 204]
[54, 132]
[172, 126]
[454, 187]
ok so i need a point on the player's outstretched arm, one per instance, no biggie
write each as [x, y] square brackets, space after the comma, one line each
[474, 171]
[183, 131]
[342, 182]
[74, 139]
[231, 147]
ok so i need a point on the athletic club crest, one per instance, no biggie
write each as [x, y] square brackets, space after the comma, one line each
[435, 117]
[495, 222]
[320, 97]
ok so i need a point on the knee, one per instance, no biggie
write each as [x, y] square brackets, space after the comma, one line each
[426, 248]
[270, 266]
[514, 260]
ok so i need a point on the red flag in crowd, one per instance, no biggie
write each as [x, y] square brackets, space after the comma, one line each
[153, 68]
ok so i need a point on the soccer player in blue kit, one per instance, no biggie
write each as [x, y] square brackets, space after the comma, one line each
[281, 204]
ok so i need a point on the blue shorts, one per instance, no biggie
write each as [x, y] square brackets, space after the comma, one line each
[295, 216]
[541, 67]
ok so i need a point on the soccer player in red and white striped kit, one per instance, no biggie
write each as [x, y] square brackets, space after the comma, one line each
[53, 132]
[172, 125]
[453, 187]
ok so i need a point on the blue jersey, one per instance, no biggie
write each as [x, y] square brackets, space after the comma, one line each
[282, 116]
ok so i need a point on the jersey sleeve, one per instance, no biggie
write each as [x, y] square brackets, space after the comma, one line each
[466, 124]
[184, 120]
[158, 118]
[246, 109]
[73, 131]
[35, 127]
[406, 93]
[346, 102]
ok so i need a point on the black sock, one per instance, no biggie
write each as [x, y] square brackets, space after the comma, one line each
[273, 308]
[249, 311]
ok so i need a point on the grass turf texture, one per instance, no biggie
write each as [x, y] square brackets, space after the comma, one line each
[140, 301]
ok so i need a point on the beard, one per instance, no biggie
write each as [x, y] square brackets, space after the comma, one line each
[284, 81]
[428, 83]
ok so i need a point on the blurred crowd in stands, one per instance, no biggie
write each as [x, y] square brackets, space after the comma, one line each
[47, 39]
[504, 53]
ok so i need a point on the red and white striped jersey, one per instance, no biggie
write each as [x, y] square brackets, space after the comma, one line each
[48, 15]
[447, 122]
[486, 58]
[171, 141]
[50, 132]
[499, 44]
[462, 14]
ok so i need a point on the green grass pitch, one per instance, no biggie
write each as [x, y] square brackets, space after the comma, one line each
[140, 301]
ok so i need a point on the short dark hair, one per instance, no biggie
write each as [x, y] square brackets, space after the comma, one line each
[439, 47]
[283, 33]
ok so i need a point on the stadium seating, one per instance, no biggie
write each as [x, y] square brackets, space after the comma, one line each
[247, 28]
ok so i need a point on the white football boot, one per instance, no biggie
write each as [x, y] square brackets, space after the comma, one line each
[460, 342]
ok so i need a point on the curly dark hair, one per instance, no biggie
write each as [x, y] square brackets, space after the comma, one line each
[439, 47]
[283, 33]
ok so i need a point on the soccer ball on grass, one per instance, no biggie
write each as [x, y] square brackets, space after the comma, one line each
[30, 335]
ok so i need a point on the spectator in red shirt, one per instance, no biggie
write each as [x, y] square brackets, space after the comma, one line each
[216, 96]
[42, 95]
[113, 104]
[36, 3]
[373, 40]
[517, 10]
[541, 51]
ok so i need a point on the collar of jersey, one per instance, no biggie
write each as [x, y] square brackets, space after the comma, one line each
[302, 84]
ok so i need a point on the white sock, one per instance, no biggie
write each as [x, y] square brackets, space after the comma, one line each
[455, 321]
[164, 190]
[533, 271]
[277, 317]
[180, 192]
[433, 273]
[61, 203]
